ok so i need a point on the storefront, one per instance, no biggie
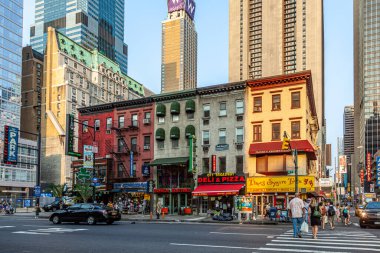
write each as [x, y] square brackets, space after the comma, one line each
[132, 195]
[277, 191]
[216, 191]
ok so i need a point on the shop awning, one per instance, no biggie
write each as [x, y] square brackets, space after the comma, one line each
[170, 161]
[217, 189]
[274, 147]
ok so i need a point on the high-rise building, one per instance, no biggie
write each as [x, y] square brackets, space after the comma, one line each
[179, 47]
[348, 130]
[15, 178]
[272, 37]
[91, 23]
[366, 80]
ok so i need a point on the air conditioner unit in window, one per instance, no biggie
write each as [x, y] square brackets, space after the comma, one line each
[206, 121]
[239, 117]
[239, 145]
[205, 148]
[146, 121]
[146, 147]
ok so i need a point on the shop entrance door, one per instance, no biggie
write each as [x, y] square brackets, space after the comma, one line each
[261, 202]
[175, 203]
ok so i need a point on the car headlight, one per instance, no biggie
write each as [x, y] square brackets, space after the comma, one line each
[364, 215]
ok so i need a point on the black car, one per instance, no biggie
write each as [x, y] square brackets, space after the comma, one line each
[370, 215]
[86, 212]
[53, 206]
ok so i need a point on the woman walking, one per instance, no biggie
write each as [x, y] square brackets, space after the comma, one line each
[322, 209]
[315, 217]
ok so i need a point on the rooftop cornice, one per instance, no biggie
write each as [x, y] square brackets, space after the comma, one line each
[221, 88]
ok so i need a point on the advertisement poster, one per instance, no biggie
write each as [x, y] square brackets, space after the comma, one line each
[244, 204]
[88, 157]
[342, 164]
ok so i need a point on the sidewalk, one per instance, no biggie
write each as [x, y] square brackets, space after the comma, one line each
[167, 218]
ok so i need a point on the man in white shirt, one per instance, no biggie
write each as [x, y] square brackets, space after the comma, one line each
[297, 210]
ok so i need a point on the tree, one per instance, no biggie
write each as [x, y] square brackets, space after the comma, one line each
[84, 190]
[57, 190]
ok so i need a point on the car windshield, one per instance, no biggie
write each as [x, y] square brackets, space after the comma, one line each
[373, 205]
[74, 207]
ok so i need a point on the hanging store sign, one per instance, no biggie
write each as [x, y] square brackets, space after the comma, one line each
[220, 178]
[279, 184]
[369, 174]
[221, 147]
[361, 176]
[325, 182]
[69, 140]
[145, 170]
[342, 164]
[10, 145]
[88, 157]
[378, 171]
[213, 163]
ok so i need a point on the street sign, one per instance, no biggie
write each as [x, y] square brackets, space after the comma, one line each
[37, 191]
[150, 186]
[95, 180]
[83, 175]
[27, 203]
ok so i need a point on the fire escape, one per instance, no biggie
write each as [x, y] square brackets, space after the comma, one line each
[122, 152]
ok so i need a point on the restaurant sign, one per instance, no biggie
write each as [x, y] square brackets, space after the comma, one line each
[220, 178]
[279, 184]
[173, 190]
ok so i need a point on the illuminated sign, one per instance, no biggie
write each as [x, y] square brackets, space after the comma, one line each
[213, 163]
[10, 145]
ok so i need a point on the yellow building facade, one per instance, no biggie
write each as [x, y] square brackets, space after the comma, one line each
[276, 105]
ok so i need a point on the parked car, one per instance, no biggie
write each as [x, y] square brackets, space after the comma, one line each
[86, 212]
[358, 210]
[54, 206]
[370, 215]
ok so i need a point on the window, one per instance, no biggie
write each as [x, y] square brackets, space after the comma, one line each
[147, 115]
[276, 102]
[190, 115]
[206, 110]
[239, 135]
[239, 164]
[109, 125]
[133, 170]
[73, 94]
[261, 164]
[160, 144]
[257, 104]
[120, 145]
[134, 144]
[175, 117]
[120, 170]
[296, 125]
[276, 131]
[222, 164]
[239, 107]
[85, 126]
[205, 165]
[296, 101]
[222, 136]
[97, 124]
[134, 120]
[146, 142]
[257, 133]
[175, 143]
[206, 137]
[223, 109]
[121, 122]
[161, 120]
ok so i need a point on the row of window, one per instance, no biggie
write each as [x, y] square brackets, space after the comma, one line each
[276, 102]
[239, 109]
[222, 165]
[276, 131]
[239, 136]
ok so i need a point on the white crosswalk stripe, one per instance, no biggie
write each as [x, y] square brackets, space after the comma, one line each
[48, 231]
[328, 241]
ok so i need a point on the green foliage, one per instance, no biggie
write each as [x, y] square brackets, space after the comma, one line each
[56, 190]
[84, 190]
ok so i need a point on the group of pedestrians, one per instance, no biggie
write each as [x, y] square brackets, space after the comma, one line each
[316, 214]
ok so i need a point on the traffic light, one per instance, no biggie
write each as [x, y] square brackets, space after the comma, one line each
[285, 143]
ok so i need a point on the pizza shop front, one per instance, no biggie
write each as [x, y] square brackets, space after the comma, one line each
[277, 191]
[216, 191]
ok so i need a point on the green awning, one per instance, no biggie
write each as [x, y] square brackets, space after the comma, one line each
[190, 130]
[160, 134]
[160, 110]
[190, 106]
[170, 161]
[174, 133]
[175, 108]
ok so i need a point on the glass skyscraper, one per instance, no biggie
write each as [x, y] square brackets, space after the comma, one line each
[83, 22]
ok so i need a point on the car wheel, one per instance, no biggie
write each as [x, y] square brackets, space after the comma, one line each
[110, 222]
[91, 220]
[56, 219]
[54, 209]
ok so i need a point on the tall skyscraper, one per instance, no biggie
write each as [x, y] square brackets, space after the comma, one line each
[348, 130]
[366, 79]
[179, 47]
[274, 37]
[17, 178]
[91, 23]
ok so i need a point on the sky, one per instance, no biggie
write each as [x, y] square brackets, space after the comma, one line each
[143, 36]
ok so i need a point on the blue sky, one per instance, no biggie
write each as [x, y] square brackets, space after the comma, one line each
[143, 36]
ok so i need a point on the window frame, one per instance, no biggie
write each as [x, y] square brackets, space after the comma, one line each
[293, 133]
[222, 139]
[222, 169]
[97, 125]
[257, 135]
[274, 108]
[279, 131]
[205, 106]
[237, 107]
[294, 102]
[255, 107]
[223, 111]
[108, 124]
[120, 125]
[203, 137]
[85, 126]
[237, 135]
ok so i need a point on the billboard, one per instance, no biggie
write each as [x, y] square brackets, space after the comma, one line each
[325, 182]
[88, 157]
[342, 164]
[187, 5]
[10, 144]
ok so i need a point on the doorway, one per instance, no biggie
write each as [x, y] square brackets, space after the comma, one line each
[261, 203]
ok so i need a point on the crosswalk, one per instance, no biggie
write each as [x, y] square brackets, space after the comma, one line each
[48, 231]
[328, 241]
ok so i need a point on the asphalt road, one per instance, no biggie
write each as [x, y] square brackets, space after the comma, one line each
[28, 235]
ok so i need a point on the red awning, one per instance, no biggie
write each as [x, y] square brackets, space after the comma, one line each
[274, 147]
[217, 189]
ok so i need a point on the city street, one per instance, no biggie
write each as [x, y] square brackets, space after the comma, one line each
[23, 234]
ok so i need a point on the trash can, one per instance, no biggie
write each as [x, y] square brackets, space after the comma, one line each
[272, 213]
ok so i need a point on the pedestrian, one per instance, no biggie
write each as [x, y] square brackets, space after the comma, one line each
[338, 213]
[307, 204]
[158, 209]
[322, 208]
[267, 210]
[37, 210]
[331, 212]
[346, 213]
[296, 211]
[315, 217]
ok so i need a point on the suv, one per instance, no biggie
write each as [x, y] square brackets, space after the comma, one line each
[370, 215]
